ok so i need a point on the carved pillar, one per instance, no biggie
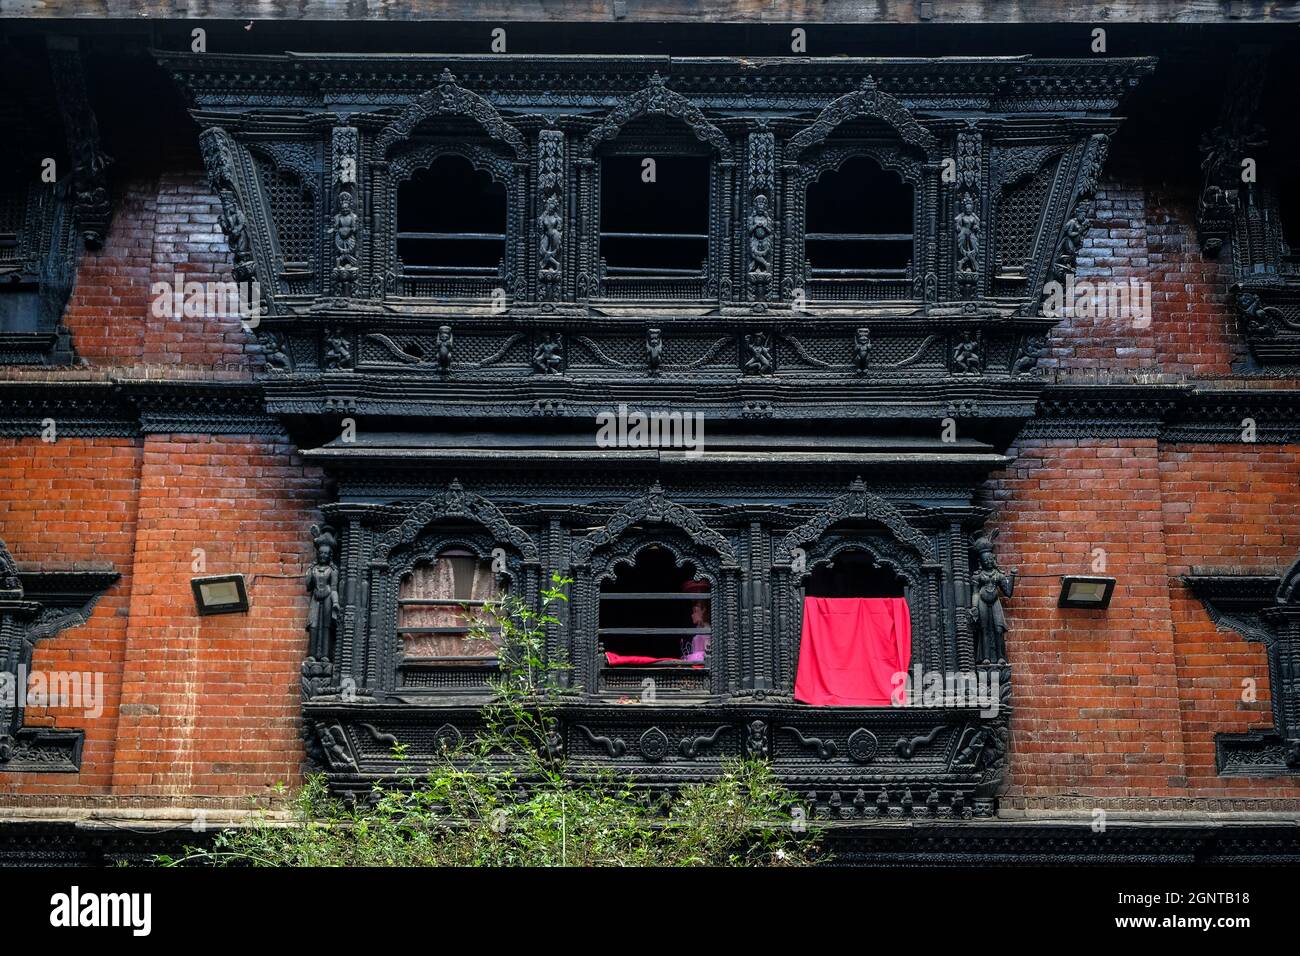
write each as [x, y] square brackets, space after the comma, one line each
[345, 230]
[1223, 149]
[760, 213]
[970, 216]
[93, 207]
[551, 214]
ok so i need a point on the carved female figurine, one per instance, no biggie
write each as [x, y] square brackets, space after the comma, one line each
[551, 224]
[345, 237]
[988, 585]
[760, 238]
[654, 350]
[968, 231]
[323, 586]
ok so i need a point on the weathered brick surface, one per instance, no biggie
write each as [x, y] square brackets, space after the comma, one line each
[72, 505]
[164, 227]
[1150, 236]
[210, 705]
[1126, 702]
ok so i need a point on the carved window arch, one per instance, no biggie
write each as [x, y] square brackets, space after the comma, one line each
[456, 206]
[861, 196]
[441, 581]
[643, 594]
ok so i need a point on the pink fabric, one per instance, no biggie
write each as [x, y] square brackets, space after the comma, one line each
[629, 660]
[851, 649]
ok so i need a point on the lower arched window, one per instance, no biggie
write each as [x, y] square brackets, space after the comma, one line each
[436, 602]
[655, 613]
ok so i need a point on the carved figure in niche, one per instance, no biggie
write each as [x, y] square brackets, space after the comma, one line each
[548, 355]
[323, 586]
[338, 352]
[988, 586]
[333, 741]
[1034, 348]
[442, 348]
[968, 239]
[758, 354]
[756, 739]
[551, 224]
[277, 355]
[654, 350]
[1258, 318]
[968, 355]
[760, 239]
[344, 231]
[234, 225]
[861, 349]
[1072, 237]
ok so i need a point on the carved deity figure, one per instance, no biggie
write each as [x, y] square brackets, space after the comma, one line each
[654, 350]
[1258, 318]
[551, 224]
[323, 586]
[442, 348]
[344, 231]
[338, 353]
[968, 237]
[760, 238]
[1034, 348]
[988, 586]
[968, 354]
[548, 355]
[1072, 237]
[861, 349]
[758, 354]
[235, 227]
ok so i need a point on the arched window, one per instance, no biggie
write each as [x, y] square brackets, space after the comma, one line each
[655, 613]
[654, 220]
[853, 574]
[436, 601]
[859, 223]
[451, 221]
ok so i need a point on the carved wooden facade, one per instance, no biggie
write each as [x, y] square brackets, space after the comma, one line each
[474, 395]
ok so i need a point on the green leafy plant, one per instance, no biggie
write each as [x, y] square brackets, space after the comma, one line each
[508, 799]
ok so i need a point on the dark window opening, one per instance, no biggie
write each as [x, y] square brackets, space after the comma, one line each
[659, 227]
[451, 218]
[436, 602]
[655, 610]
[859, 223]
[853, 575]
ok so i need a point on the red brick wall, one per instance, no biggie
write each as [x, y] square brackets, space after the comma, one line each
[210, 705]
[162, 227]
[72, 505]
[1225, 506]
[1126, 702]
[1151, 236]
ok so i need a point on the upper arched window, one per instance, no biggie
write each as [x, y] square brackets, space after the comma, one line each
[859, 223]
[451, 229]
[656, 190]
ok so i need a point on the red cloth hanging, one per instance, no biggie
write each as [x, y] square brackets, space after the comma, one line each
[850, 650]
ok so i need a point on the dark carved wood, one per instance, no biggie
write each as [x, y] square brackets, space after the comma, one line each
[1263, 609]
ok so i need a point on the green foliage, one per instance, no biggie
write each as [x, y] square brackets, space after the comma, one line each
[506, 800]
